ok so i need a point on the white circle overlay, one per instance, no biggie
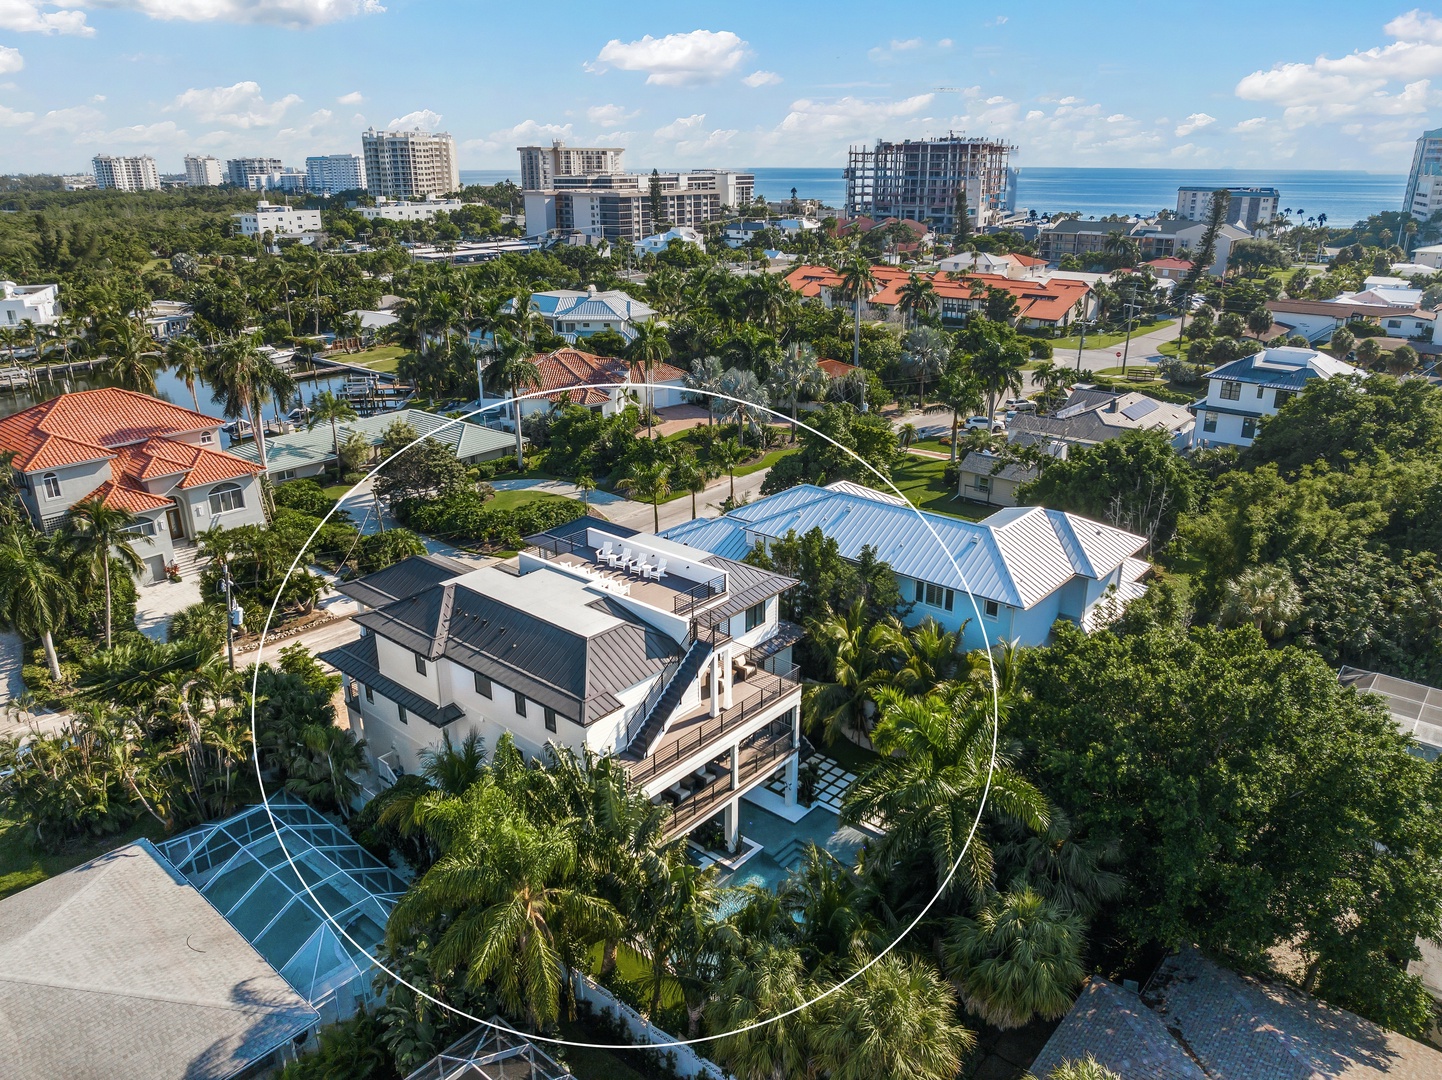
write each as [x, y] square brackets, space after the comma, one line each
[673, 1042]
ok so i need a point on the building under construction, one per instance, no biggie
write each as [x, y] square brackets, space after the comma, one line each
[919, 178]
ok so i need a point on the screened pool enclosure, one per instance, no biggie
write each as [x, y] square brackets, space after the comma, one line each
[238, 865]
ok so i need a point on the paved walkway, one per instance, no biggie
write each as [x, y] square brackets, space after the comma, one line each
[157, 602]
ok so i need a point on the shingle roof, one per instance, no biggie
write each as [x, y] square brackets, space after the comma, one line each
[1113, 1026]
[1015, 557]
[984, 464]
[121, 970]
[1093, 416]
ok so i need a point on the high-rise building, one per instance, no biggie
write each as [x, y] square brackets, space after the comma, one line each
[540, 165]
[202, 170]
[126, 173]
[618, 206]
[1424, 182]
[250, 172]
[326, 174]
[1249, 206]
[919, 179]
[409, 164]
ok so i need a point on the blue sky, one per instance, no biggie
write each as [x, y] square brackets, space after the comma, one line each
[1110, 83]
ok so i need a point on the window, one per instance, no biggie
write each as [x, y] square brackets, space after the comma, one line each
[1249, 427]
[52, 486]
[143, 527]
[1394, 322]
[1231, 391]
[991, 609]
[287, 474]
[755, 615]
[1260, 391]
[520, 704]
[550, 719]
[934, 595]
[420, 664]
[207, 437]
[225, 498]
[1209, 421]
[370, 695]
[1284, 396]
[983, 483]
[483, 685]
[401, 714]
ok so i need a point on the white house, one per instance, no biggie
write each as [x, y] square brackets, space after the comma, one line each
[576, 315]
[1241, 393]
[598, 639]
[1316, 320]
[278, 221]
[38, 304]
[166, 319]
[405, 210]
[1429, 256]
[681, 234]
[1025, 567]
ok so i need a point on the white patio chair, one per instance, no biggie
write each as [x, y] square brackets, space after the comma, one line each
[621, 560]
[603, 552]
[661, 570]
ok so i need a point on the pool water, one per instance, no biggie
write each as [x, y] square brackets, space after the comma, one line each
[784, 844]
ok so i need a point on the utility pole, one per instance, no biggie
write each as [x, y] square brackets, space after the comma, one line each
[1082, 344]
[231, 612]
[1131, 312]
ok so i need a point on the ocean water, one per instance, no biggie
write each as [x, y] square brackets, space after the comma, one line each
[1345, 197]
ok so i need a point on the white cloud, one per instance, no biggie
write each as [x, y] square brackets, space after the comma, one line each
[10, 60]
[847, 115]
[688, 136]
[70, 121]
[894, 47]
[944, 43]
[1000, 20]
[147, 134]
[526, 133]
[355, 97]
[292, 13]
[10, 118]
[681, 127]
[241, 105]
[762, 78]
[1195, 122]
[676, 59]
[96, 99]
[1256, 123]
[425, 119]
[609, 116]
[29, 17]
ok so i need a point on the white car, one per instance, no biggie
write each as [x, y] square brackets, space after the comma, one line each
[981, 423]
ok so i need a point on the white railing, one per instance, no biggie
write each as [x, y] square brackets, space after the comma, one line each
[687, 1061]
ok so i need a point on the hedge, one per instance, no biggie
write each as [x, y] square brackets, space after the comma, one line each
[463, 516]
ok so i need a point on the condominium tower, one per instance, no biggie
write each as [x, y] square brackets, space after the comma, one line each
[618, 206]
[919, 179]
[126, 173]
[251, 172]
[327, 174]
[409, 164]
[1249, 206]
[540, 165]
[1424, 182]
[202, 170]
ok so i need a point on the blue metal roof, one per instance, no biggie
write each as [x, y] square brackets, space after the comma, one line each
[1286, 367]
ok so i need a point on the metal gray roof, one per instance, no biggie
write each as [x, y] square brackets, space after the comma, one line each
[121, 970]
[465, 438]
[405, 578]
[746, 585]
[1285, 367]
[1017, 556]
[358, 660]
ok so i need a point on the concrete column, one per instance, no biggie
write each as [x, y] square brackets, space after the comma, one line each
[713, 679]
[793, 776]
[732, 822]
[727, 671]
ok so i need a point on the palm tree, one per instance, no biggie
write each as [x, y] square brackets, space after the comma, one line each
[858, 282]
[724, 455]
[961, 393]
[927, 789]
[1087, 1068]
[1265, 596]
[1369, 353]
[705, 378]
[328, 407]
[688, 475]
[998, 369]
[859, 655]
[767, 981]
[745, 392]
[650, 483]
[916, 298]
[925, 356]
[795, 374]
[185, 357]
[931, 656]
[242, 378]
[649, 345]
[130, 350]
[99, 534]
[35, 597]
[1259, 321]
[897, 1019]
[1019, 957]
[321, 766]
[514, 370]
[906, 435]
[1069, 872]
[586, 483]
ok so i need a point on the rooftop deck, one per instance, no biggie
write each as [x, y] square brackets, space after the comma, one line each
[672, 591]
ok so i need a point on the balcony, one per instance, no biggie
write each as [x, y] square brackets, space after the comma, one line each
[760, 757]
[675, 592]
[697, 733]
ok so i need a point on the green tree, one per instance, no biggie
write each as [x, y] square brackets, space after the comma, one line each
[917, 298]
[1265, 597]
[35, 597]
[723, 456]
[859, 654]
[792, 376]
[515, 370]
[651, 483]
[858, 282]
[997, 367]
[130, 351]
[926, 355]
[100, 536]
[242, 378]
[185, 357]
[648, 346]
[327, 407]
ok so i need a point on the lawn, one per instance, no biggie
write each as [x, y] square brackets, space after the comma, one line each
[20, 867]
[921, 481]
[381, 358]
[510, 500]
[763, 462]
[1107, 339]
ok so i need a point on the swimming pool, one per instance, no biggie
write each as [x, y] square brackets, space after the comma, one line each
[783, 844]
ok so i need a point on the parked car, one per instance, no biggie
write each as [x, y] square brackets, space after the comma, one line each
[982, 423]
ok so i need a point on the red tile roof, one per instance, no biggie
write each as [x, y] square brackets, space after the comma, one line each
[1169, 263]
[575, 374]
[1045, 301]
[134, 431]
[836, 369]
[1026, 260]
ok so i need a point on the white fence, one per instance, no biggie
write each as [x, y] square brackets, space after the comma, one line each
[687, 1061]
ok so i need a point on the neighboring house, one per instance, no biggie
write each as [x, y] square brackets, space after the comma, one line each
[686, 679]
[1403, 297]
[1026, 567]
[1092, 416]
[1430, 256]
[681, 234]
[1196, 1020]
[989, 478]
[166, 319]
[980, 262]
[1168, 269]
[577, 315]
[1416, 708]
[1241, 393]
[278, 221]
[405, 210]
[1315, 320]
[161, 462]
[38, 304]
[1086, 239]
[310, 452]
[123, 969]
[1161, 239]
[604, 383]
[836, 369]
[372, 323]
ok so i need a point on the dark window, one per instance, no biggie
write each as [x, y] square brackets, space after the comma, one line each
[1249, 427]
[52, 486]
[920, 592]
[401, 714]
[520, 704]
[1231, 391]
[370, 695]
[1260, 389]
[550, 719]
[992, 609]
[1209, 421]
[483, 685]
[755, 615]
[420, 664]
[935, 596]
[1284, 396]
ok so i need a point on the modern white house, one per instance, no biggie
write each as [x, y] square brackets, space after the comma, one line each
[1242, 393]
[681, 234]
[161, 462]
[425, 209]
[38, 304]
[166, 319]
[278, 221]
[604, 384]
[1316, 320]
[1026, 567]
[578, 314]
[595, 638]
